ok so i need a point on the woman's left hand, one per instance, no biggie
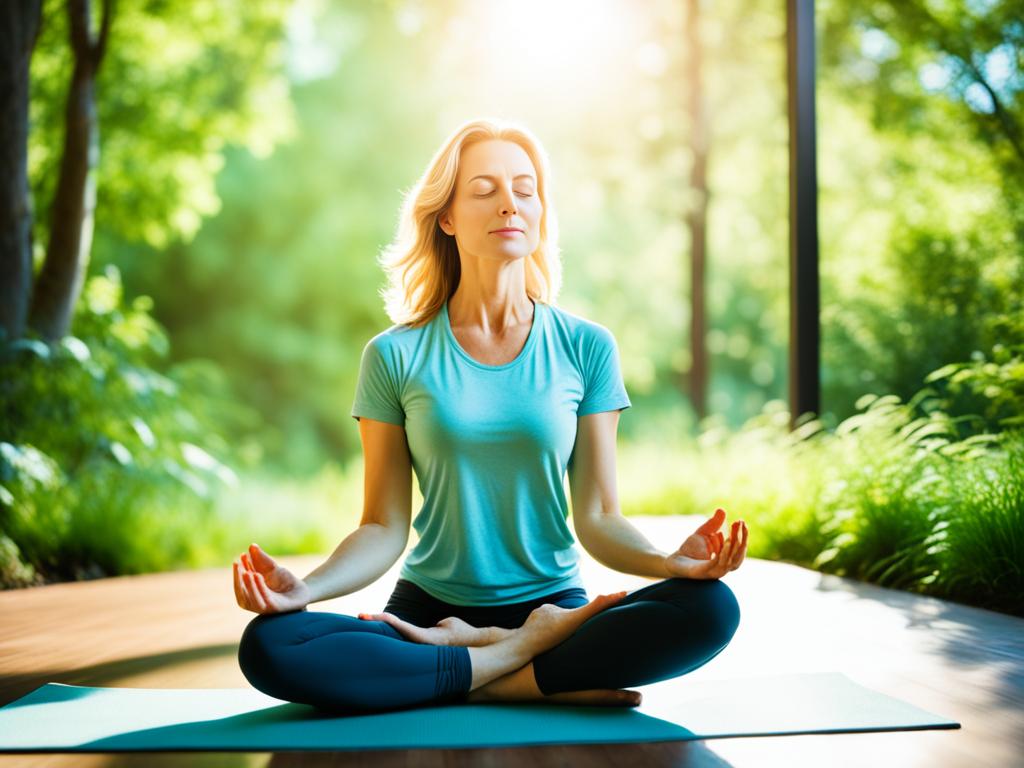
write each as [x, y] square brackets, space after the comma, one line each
[450, 631]
[706, 554]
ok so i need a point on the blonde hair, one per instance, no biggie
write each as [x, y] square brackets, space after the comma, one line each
[422, 262]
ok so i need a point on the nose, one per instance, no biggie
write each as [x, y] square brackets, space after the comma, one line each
[508, 203]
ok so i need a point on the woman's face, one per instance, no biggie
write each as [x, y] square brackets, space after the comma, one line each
[496, 188]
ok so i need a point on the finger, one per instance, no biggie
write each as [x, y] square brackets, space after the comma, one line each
[247, 562]
[723, 564]
[265, 591]
[735, 554]
[250, 592]
[726, 553]
[598, 604]
[235, 577]
[247, 592]
[601, 602]
[714, 545]
[247, 601]
[714, 523]
[258, 594]
[374, 617]
[261, 559]
[737, 535]
[411, 631]
[254, 592]
[741, 551]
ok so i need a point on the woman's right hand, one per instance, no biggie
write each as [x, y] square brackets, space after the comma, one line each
[263, 586]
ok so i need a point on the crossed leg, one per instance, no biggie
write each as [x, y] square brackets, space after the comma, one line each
[335, 661]
[661, 631]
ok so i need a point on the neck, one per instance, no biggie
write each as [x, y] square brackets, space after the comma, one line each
[490, 313]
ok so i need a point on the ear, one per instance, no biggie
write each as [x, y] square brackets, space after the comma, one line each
[444, 221]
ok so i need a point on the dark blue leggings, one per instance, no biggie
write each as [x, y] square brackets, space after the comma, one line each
[344, 664]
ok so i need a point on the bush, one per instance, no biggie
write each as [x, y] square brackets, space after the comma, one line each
[107, 464]
[994, 381]
[895, 496]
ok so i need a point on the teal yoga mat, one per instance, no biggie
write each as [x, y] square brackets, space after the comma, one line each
[70, 718]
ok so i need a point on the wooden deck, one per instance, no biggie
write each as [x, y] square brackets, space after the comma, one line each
[181, 630]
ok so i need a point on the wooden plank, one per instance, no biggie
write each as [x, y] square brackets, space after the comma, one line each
[181, 630]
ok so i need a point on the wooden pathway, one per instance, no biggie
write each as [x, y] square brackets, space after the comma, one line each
[181, 630]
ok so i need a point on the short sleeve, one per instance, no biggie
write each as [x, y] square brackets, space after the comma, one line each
[378, 393]
[604, 389]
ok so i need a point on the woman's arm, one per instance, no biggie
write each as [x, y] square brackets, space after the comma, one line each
[364, 556]
[368, 552]
[614, 541]
[600, 526]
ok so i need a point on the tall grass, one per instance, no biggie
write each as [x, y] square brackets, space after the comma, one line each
[892, 496]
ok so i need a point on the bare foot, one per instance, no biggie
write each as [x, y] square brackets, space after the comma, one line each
[521, 685]
[549, 624]
[545, 627]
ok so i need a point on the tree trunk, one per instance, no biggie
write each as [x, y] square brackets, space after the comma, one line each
[19, 27]
[67, 255]
[697, 214]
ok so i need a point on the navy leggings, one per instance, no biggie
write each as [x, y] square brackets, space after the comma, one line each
[341, 663]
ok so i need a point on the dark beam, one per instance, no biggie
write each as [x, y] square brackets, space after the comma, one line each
[697, 215]
[804, 295]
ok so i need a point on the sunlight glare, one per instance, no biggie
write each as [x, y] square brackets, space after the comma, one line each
[570, 49]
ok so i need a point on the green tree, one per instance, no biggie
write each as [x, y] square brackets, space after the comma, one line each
[169, 84]
[922, 189]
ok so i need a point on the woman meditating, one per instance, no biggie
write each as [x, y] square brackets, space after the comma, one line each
[489, 393]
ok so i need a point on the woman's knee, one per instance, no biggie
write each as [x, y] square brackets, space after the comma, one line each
[724, 608]
[252, 646]
[261, 640]
[713, 600]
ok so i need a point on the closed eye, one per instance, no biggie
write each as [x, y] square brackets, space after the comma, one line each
[521, 194]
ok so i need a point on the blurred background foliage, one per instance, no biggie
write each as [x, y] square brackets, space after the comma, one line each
[253, 159]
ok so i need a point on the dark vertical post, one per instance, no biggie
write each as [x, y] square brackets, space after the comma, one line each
[804, 297]
[697, 215]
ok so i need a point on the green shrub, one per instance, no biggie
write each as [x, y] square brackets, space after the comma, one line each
[108, 465]
[982, 558]
[895, 496]
[994, 381]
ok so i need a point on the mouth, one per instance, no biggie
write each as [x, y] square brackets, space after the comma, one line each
[506, 231]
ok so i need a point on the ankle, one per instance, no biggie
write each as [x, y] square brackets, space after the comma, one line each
[497, 634]
[496, 660]
[515, 686]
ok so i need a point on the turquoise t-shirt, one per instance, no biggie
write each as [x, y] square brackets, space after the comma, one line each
[490, 445]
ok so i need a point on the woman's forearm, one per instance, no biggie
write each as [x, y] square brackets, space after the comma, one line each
[363, 557]
[614, 542]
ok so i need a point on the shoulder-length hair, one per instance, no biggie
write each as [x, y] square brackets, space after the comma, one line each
[422, 262]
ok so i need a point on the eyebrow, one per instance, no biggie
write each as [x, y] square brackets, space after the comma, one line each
[494, 178]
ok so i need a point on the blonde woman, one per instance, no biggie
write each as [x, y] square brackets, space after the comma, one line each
[490, 393]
